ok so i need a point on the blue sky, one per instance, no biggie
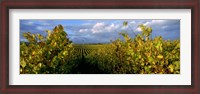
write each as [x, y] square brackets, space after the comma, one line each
[101, 31]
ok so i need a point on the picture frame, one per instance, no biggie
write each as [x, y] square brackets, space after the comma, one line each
[89, 4]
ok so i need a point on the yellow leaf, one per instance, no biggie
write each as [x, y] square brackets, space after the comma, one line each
[23, 63]
[21, 70]
[40, 64]
[160, 56]
[171, 68]
[33, 53]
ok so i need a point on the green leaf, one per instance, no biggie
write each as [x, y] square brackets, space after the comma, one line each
[149, 29]
[125, 23]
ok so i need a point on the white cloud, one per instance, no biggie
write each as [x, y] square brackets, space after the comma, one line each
[124, 27]
[83, 30]
[39, 28]
[160, 22]
[30, 23]
[159, 25]
[46, 22]
[164, 27]
[132, 22]
[112, 27]
[156, 22]
[98, 27]
[147, 23]
[138, 29]
[102, 27]
[86, 24]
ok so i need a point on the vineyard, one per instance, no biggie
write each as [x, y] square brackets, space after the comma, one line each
[84, 49]
[56, 54]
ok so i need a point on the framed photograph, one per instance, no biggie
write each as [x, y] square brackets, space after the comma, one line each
[104, 46]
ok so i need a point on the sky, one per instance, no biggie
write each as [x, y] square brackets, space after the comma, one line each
[101, 30]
